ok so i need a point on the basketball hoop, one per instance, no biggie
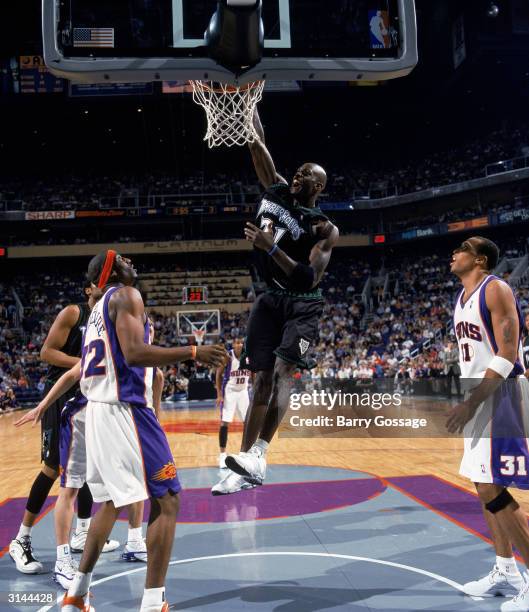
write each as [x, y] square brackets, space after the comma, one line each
[199, 336]
[229, 111]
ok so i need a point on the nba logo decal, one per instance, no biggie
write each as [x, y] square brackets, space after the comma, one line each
[303, 346]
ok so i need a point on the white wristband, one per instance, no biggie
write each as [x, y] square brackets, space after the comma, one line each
[501, 366]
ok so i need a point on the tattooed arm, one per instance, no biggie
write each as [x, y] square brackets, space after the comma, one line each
[505, 326]
[505, 323]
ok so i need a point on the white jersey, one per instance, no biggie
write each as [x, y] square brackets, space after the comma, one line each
[234, 379]
[475, 336]
[105, 375]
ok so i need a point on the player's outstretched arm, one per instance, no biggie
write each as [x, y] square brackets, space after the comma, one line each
[51, 351]
[505, 326]
[64, 384]
[127, 310]
[262, 160]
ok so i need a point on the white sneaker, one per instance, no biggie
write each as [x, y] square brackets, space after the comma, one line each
[251, 465]
[135, 551]
[520, 603]
[64, 572]
[222, 461]
[231, 483]
[22, 554]
[79, 539]
[494, 583]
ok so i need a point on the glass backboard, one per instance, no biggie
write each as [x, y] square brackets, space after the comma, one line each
[148, 40]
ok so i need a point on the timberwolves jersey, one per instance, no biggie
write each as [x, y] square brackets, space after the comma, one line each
[291, 226]
[73, 343]
[235, 379]
[105, 375]
[473, 329]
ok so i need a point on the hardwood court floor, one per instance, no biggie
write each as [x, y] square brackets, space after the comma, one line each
[198, 446]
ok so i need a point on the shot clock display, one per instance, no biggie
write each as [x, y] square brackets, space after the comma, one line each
[195, 294]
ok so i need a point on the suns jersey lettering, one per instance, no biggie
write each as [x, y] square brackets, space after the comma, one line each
[475, 337]
[105, 375]
[234, 378]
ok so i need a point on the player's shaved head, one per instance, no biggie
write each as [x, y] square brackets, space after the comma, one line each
[319, 174]
[308, 182]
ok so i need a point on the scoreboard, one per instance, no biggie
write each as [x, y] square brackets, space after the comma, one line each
[195, 294]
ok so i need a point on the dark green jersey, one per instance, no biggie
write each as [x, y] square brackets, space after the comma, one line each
[73, 343]
[292, 227]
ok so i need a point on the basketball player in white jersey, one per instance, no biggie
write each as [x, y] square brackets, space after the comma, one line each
[232, 396]
[488, 326]
[128, 456]
[73, 472]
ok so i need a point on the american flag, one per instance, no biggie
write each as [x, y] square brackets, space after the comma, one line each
[93, 37]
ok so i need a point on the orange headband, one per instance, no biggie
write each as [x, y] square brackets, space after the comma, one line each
[107, 268]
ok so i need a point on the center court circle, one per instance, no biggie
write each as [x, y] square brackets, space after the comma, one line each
[249, 586]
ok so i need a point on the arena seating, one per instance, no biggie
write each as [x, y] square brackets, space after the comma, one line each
[345, 182]
[377, 321]
[225, 286]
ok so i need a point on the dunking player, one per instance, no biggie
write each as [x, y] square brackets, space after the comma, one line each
[128, 456]
[293, 240]
[62, 350]
[232, 395]
[488, 326]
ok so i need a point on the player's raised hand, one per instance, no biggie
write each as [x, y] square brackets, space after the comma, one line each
[261, 240]
[459, 416]
[212, 354]
[33, 416]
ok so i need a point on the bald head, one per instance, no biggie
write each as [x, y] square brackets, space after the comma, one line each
[319, 175]
[308, 182]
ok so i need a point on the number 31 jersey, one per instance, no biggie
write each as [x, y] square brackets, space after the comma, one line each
[105, 375]
[475, 336]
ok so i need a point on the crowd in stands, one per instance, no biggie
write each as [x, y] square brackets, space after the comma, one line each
[404, 333]
[467, 161]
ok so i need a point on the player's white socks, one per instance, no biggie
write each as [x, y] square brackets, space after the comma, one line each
[63, 552]
[153, 599]
[82, 524]
[135, 535]
[80, 584]
[507, 566]
[261, 446]
[23, 532]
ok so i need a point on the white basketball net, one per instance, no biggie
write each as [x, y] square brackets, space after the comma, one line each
[199, 335]
[229, 111]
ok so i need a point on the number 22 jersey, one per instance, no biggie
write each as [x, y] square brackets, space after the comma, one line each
[105, 375]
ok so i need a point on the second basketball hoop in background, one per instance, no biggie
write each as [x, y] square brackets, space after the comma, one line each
[229, 111]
